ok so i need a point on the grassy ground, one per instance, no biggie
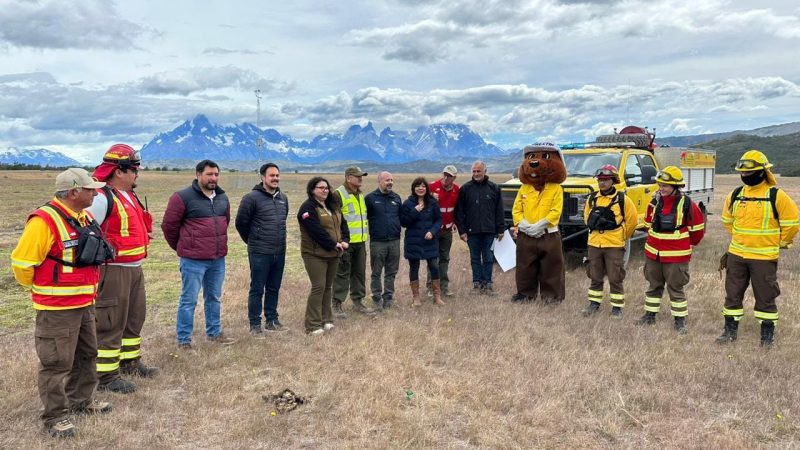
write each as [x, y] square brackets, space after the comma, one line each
[478, 373]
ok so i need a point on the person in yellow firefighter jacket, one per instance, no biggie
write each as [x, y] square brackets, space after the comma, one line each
[761, 219]
[611, 217]
[47, 261]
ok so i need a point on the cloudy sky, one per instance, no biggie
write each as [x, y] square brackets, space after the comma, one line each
[76, 76]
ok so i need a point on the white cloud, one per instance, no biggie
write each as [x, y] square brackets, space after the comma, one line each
[65, 24]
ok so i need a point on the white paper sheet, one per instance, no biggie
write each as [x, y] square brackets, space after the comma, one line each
[505, 252]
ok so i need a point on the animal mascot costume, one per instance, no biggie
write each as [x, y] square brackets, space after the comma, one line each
[536, 213]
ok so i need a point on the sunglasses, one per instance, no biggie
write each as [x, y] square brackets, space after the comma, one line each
[749, 164]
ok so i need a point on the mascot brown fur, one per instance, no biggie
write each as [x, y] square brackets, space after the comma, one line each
[537, 212]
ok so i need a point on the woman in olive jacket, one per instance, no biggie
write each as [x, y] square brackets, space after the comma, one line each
[324, 236]
[422, 218]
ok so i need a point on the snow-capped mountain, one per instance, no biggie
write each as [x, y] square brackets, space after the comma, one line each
[199, 139]
[37, 157]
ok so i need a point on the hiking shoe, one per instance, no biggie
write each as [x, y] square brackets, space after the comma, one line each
[449, 293]
[93, 407]
[338, 312]
[680, 325]
[649, 318]
[137, 368]
[184, 345]
[64, 428]
[489, 291]
[387, 304]
[257, 332]
[317, 332]
[275, 326]
[328, 326]
[363, 309]
[616, 312]
[591, 310]
[222, 339]
[118, 385]
[476, 288]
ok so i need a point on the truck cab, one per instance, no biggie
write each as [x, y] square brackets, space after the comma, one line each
[638, 159]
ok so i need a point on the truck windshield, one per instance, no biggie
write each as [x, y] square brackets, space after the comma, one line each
[586, 164]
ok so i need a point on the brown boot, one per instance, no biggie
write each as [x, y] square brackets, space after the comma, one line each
[436, 287]
[415, 301]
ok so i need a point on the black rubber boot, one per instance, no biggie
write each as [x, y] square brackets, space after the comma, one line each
[767, 333]
[731, 329]
[649, 318]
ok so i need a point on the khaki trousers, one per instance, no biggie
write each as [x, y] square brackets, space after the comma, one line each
[67, 348]
[351, 276]
[608, 262]
[321, 272]
[121, 309]
[675, 276]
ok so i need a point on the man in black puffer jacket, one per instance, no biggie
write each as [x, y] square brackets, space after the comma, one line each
[261, 222]
[383, 214]
[479, 218]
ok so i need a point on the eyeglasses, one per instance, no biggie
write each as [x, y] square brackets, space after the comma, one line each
[665, 176]
[749, 164]
[324, 188]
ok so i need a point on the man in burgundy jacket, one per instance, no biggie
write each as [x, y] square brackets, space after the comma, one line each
[196, 226]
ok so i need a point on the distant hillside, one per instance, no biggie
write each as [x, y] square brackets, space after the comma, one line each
[782, 151]
[772, 130]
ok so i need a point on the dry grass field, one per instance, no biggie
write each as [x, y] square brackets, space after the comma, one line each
[478, 373]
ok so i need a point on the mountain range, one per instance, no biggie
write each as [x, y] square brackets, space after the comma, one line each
[200, 139]
[37, 157]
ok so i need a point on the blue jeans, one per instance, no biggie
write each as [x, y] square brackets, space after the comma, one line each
[481, 257]
[197, 273]
[266, 273]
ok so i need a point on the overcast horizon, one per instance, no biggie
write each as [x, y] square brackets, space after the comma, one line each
[78, 76]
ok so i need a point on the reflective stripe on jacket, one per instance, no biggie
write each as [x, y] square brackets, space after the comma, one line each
[675, 247]
[755, 232]
[354, 211]
[125, 228]
[55, 285]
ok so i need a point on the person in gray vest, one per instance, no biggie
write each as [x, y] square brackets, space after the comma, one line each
[261, 222]
[351, 274]
[383, 214]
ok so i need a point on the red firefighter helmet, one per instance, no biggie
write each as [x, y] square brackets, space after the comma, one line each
[122, 155]
[607, 172]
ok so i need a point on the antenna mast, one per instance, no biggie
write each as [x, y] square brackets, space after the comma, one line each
[259, 139]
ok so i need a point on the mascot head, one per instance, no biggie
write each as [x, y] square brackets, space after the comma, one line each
[542, 164]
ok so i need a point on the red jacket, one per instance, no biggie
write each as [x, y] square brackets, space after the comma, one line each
[447, 204]
[674, 247]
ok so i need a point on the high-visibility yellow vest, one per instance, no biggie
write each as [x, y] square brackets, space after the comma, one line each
[354, 210]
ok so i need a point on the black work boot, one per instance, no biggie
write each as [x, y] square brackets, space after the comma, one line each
[118, 385]
[591, 310]
[680, 325]
[649, 318]
[767, 333]
[137, 368]
[338, 312]
[731, 329]
[616, 312]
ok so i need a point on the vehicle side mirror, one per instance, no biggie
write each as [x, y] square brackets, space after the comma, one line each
[515, 173]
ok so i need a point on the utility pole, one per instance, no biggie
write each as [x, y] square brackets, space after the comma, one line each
[259, 139]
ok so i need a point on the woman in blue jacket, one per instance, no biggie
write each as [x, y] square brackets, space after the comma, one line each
[422, 218]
